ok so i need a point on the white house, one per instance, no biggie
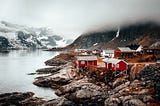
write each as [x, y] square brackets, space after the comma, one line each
[107, 53]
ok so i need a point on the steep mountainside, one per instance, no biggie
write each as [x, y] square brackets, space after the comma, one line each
[14, 36]
[145, 34]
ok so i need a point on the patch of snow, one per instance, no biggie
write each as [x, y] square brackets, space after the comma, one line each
[61, 43]
[95, 44]
[43, 37]
[118, 32]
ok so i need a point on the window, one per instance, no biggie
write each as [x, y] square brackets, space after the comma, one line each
[82, 62]
[117, 65]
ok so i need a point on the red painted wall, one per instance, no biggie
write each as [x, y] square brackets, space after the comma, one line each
[108, 65]
[95, 62]
[122, 66]
[89, 63]
[86, 63]
[81, 65]
[117, 53]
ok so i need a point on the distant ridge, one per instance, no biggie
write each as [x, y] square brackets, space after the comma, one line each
[145, 34]
[13, 36]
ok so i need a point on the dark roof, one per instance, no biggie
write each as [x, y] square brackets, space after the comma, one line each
[133, 46]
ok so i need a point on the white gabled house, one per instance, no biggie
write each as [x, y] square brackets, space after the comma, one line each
[107, 53]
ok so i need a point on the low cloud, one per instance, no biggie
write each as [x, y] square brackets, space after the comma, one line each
[72, 18]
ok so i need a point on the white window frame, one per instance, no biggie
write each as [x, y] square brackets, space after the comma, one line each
[82, 62]
[117, 65]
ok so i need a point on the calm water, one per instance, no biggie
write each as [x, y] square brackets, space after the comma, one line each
[14, 67]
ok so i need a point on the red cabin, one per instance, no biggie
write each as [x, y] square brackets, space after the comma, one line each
[122, 52]
[86, 60]
[116, 64]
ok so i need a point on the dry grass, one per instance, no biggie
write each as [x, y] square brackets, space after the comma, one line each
[140, 59]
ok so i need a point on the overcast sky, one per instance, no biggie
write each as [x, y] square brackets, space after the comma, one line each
[74, 17]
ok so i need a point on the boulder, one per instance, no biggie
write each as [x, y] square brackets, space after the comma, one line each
[126, 98]
[141, 92]
[61, 101]
[33, 101]
[19, 99]
[112, 102]
[52, 70]
[84, 94]
[120, 87]
[43, 82]
[119, 81]
[51, 82]
[56, 62]
[134, 102]
[147, 98]
[136, 84]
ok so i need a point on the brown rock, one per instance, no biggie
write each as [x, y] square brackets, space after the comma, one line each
[61, 101]
[33, 101]
[56, 62]
[84, 94]
[49, 70]
[19, 98]
[51, 82]
[134, 102]
[112, 102]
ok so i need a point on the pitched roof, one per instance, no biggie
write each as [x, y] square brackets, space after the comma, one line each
[86, 57]
[125, 49]
[108, 51]
[113, 60]
[139, 48]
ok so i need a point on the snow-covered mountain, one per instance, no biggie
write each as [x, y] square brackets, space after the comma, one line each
[13, 36]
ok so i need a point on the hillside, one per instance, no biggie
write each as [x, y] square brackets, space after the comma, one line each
[13, 36]
[145, 34]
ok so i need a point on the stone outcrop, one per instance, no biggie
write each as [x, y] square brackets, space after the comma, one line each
[51, 82]
[60, 102]
[83, 92]
[56, 62]
[50, 70]
[61, 59]
[20, 99]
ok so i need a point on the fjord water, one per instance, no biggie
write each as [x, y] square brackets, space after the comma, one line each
[14, 69]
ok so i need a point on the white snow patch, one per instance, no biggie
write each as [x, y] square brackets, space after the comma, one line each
[117, 35]
[61, 43]
[118, 32]
[95, 44]
[43, 37]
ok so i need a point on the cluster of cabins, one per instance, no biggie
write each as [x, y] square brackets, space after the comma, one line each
[112, 59]
[109, 63]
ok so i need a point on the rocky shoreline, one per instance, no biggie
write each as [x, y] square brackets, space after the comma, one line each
[76, 88]
[82, 89]
[20, 99]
